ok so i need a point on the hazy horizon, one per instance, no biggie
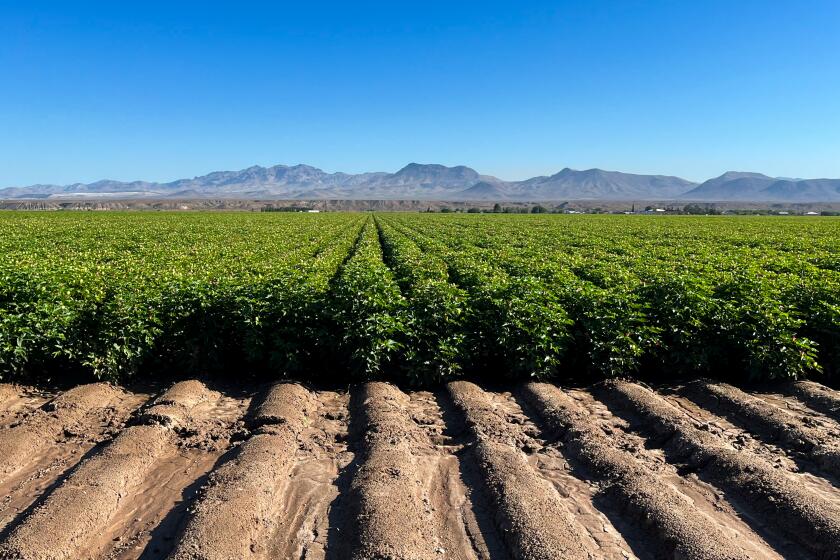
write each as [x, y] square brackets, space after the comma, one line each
[327, 170]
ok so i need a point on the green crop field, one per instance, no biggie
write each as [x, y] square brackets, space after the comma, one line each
[417, 298]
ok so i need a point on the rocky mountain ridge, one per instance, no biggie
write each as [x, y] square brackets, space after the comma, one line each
[418, 181]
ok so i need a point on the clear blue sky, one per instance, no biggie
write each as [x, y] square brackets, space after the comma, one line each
[163, 90]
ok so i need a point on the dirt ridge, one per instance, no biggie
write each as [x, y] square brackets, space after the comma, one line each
[77, 511]
[768, 421]
[283, 470]
[393, 519]
[76, 410]
[234, 516]
[803, 516]
[8, 392]
[659, 510]
[819, 397]
[530, 516]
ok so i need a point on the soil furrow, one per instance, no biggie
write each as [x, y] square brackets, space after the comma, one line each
[234, 517]
[78, 512]
[818, 397]
[812, 418]
[659, 510]
[393, 517]
[803, 516]
[769, 422]
[462, 481]
[307, 500]
[8, 393]
[53, 459]
[77, 411]
[578, 492]
[10, 398]
[462, 474]
[18, 399]
[454, 511]
[808, 475]
[752, 536]
[530, 514]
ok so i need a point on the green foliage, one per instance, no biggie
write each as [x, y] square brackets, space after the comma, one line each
[369, 310]
[435, 310]
[110, 296]
[667, 296]
[421, 298]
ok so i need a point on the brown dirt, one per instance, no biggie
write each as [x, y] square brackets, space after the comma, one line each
[18, 400]
[809, 518]
[75, 412]
[817, 396]
[818, 441]
[80, 514]
[549, 460]
[43, 442]
[671, 518]
[615, 472]
[8, 392]
[306, 518]
[394, 519]
[780, 457]
[462, 522]
[238, 509]
[530, 513]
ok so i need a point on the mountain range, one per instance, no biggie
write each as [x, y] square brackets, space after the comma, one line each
[437, 182]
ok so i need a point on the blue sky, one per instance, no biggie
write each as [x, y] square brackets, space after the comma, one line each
[163, 90]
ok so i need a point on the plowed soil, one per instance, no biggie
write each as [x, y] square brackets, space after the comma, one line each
[615, 471]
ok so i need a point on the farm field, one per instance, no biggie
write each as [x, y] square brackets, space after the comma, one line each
[531, 471]
[417, 299]
[412, 386]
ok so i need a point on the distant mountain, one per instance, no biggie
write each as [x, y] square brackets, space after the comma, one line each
[597, 183]
[755, 187]
[418, 181]
[432, 174]
[485, 190]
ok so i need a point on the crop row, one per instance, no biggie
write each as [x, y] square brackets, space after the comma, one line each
[673, 297]
[110, 296]
[419, 298]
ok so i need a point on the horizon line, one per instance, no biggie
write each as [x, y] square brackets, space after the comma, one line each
[300, 164]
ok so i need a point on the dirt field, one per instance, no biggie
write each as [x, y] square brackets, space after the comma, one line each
[530, 472]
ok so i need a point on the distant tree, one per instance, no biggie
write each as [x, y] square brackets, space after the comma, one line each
[539, 210]
[497, 208]
[696, 209]
[445, 210]
[474, 211]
